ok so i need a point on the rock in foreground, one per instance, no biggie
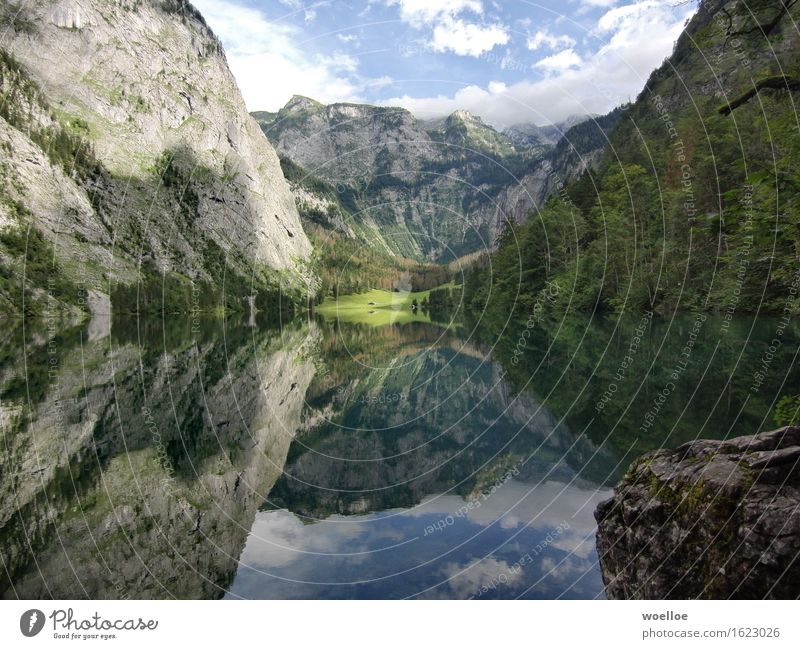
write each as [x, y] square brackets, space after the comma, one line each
[710, 519]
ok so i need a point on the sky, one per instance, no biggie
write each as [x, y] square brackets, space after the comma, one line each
[509, 62]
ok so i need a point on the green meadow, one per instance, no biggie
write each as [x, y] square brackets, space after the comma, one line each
[378, 308]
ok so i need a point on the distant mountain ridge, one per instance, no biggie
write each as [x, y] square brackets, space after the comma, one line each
[529, 134]
[427, 189]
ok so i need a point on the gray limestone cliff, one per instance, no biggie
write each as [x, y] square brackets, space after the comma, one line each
[127, 141]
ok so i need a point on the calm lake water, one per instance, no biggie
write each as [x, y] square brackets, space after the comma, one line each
[330, 460]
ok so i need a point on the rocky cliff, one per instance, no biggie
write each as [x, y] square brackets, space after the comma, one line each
[710, 519]
[127, 142]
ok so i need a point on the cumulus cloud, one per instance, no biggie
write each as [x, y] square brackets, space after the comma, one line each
[631, 40]
[420, 13]
[560, 62]
[451, 32]
[543, 38]
[545, 507]
[465, 581]
[598, 3]
[467, 39]
[273, 60]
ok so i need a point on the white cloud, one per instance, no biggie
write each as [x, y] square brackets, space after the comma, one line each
[544, 507]
[339, 62]
[279, 539]
[427, 12]
[467, 39]
[378, 82]
[599, 3]
[560, 62]
[634, 40]
[297, 6]
[282, 545]
[616, 18]
[271, 64]
[467, 580]
[451, 33]
[543, 38]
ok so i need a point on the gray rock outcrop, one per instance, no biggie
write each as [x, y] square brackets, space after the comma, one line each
[420, 190]
[710, 519]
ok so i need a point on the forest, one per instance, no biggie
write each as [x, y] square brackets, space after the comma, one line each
[695, 204]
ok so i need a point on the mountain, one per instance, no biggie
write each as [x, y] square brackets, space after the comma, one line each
[579, 149]
[368, 451]
[128, 154]
[430, 190]
[694, 201]
[462, 128]
[530, 135]
[420, 192]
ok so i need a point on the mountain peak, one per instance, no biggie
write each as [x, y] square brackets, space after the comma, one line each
[463, 115]
[301, 102]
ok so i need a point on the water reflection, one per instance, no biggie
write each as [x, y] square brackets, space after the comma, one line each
[135, 470]
[523, 539]
[317, 459]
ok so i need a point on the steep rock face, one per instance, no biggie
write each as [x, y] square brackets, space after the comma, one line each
[711, 519]
[740, 41]
[182, 169]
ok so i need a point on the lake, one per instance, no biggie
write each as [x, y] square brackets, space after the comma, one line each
[329, 459]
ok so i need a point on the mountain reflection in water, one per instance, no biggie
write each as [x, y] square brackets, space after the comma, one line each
[328, 460]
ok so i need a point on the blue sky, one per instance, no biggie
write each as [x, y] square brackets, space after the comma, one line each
[509, 62]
